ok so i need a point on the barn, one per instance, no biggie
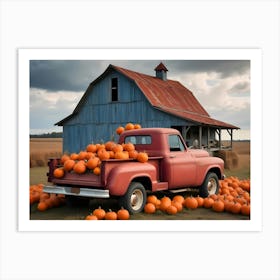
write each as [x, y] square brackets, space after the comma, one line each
[120, 95]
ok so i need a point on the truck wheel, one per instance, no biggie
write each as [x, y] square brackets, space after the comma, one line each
[210, 185]
[135, 198]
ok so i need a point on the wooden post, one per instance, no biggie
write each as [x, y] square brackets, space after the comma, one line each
[208, 137]
[220, 138]
[230, 133]
[200, 137]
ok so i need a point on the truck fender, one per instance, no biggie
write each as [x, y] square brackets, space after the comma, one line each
[122, 175]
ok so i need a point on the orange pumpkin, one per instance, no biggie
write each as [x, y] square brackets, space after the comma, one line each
[99, 213]
[152, 199]
[137, 126]
[120, 130]
[164, 203]
[178, 205]
[200, 201]
[91, 148]
[68, 165]
[64, 158]
[245, 209]
[42, 206]
[109, 145]
[82, 155]
[149, 208]
[129, 147]
[74, 156]
[111, 215]
[58, 172]
[191, 203]
[103, 154]
[79, 167]
[93, 162]
[91, 217]
[171, 210]
[179, 198]
[123, 214]
[235, 208]
[97, 170]
[208, 202]
[129, 126]
[218, 206]
[142, 157]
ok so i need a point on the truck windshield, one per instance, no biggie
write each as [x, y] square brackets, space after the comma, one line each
[139, 139]
[175, 143]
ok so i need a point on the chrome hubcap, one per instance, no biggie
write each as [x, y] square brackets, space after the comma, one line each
[136, 199]
[212, 186]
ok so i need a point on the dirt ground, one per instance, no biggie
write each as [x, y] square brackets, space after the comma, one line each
[38, 175]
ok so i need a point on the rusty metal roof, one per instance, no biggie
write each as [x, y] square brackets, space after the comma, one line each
[165, 95]
[172, 97]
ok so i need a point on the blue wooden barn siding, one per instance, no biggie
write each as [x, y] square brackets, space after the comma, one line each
[99, 117]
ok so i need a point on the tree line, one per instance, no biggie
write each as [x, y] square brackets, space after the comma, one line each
[47, 135]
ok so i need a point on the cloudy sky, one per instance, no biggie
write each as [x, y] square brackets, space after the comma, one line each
[221, 86]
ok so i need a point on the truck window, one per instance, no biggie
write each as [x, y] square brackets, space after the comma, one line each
[139, 139]
[175, 143]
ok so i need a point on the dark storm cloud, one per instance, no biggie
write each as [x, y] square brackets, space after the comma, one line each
[71, 75]
[225, 68]
[55, 75]
[76, 75]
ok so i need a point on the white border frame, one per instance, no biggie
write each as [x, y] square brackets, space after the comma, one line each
[254, 55]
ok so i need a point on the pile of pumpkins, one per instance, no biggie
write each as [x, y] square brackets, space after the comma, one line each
[89, 160]
[45, 200]
[233, 197]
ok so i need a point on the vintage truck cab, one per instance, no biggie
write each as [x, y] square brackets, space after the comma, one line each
[172, 166]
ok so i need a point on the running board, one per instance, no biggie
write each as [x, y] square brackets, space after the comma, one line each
[182, 190]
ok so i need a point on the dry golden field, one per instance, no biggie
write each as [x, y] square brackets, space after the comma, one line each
[41, 149]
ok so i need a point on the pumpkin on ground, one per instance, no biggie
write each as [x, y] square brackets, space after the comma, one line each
[149, 208]
[152, 199]
[171, 210]
[42, 206]
[164, 203]
[191, 203]
[111, 215]
[91, 217]
[123, 214]
[99, 213]
[208, 202]
[218, 206]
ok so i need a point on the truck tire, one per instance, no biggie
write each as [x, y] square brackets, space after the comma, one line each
[135, 198]
[210, 185]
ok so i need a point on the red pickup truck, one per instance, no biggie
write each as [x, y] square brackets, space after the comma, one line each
[172, 166]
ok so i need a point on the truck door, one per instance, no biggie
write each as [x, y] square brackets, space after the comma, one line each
[181, 165]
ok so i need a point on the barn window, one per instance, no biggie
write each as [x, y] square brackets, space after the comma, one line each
[114, 89]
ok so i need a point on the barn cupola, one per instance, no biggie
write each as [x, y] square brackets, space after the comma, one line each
[161, 72]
